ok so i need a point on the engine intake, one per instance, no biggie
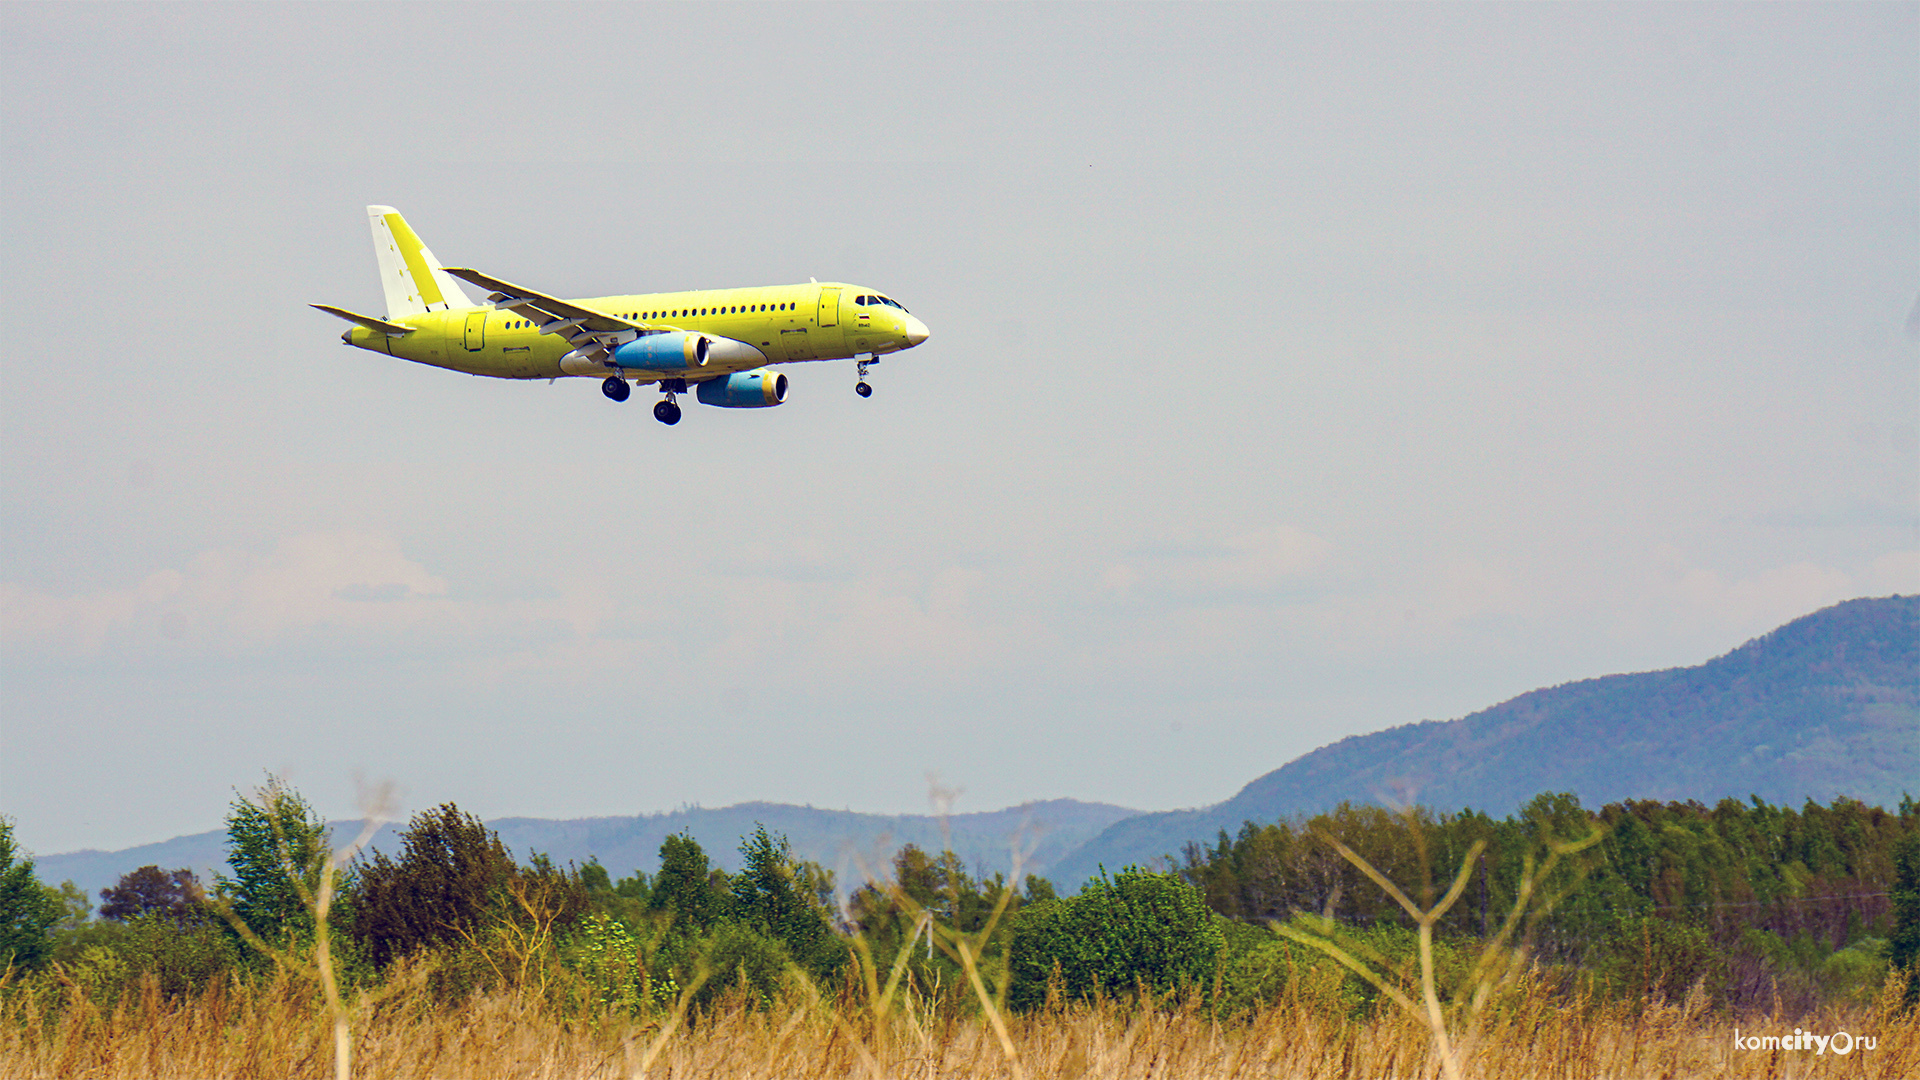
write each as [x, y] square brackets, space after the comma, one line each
[756, 389]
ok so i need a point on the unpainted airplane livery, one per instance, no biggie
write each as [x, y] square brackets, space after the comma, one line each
[718, 343]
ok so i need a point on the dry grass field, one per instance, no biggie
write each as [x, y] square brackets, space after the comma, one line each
[281, 1028]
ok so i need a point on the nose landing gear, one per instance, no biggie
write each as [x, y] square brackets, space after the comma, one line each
[860, 369]
[616, 388]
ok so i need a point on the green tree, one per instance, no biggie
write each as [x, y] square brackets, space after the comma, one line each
[595, 878]
[451, 872]
[624, 901]
[174, 895]
[686, 887]
[27, 913]
[1903, 948]
[1139, 928]
[277, 847]
[75, 907]
[782, 898]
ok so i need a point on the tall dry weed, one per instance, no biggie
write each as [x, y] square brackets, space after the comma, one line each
[1456, 1025]
[277, 1027]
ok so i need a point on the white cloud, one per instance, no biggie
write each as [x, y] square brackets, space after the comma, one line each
[233, 599]
[363, 588]
[1238, 564]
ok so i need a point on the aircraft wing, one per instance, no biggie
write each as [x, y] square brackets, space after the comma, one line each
[592, 333]
[535, 304]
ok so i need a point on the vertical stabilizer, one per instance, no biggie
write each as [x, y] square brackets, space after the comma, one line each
[408, 271]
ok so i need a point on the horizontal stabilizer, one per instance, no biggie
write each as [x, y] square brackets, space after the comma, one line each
[378, 326]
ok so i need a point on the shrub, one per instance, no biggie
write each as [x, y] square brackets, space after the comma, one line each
[181, 957]
[739, 956]
[1137, 929]
[1856, 973]
[1651, 958]
[1268, 968]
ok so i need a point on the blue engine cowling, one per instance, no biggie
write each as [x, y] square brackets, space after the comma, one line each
[756, 389]
[673, 351]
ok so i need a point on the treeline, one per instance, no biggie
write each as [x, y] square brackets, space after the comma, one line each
[1750, 902]
[455, 905]
[1751, 898]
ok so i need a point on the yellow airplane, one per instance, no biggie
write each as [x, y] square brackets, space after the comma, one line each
[719, 342]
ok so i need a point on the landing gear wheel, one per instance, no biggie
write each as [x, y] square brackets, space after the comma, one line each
[863, 389]
[616, 388]
[667, 413]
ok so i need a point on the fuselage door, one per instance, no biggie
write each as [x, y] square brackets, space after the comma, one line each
[476, 329]
[829, 307]
[795, 345]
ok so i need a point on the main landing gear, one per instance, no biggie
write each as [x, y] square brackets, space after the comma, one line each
[860, 369]
[668, 410]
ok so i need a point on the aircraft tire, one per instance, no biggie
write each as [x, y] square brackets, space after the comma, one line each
[616, 388]
[863, 389]
[667, 413]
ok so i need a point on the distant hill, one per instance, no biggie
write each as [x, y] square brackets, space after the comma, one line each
[841, 840]
[1826, 705]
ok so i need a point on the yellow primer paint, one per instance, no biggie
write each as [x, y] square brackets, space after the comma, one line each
[504, 343]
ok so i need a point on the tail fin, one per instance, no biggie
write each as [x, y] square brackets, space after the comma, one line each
[409, 272]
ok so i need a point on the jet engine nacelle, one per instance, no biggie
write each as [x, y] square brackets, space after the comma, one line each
[756, 389]
[675, 350]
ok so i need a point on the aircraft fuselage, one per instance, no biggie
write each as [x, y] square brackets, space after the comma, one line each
[782, 324]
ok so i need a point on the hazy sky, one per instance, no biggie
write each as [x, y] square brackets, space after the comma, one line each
[1296, 372]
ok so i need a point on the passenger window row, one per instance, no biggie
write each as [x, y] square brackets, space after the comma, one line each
[684, 313]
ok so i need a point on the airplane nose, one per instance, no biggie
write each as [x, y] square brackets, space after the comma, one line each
[916, 332]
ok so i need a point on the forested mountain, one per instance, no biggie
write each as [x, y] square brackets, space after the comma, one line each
[840, 840]
[1827, 705]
